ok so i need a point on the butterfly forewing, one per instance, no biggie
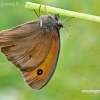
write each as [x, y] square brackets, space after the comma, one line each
[36, 80]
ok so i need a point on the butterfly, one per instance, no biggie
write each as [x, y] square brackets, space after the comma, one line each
[33, 48]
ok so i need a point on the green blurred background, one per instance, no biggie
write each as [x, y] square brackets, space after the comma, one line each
[78, 67]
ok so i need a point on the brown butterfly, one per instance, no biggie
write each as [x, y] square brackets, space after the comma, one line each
[34, 48]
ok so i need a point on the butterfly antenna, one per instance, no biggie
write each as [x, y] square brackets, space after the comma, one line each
[68, 26]
[67, 19]
[47, 11]
[67, 31]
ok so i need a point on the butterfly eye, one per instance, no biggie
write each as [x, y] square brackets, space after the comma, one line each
[59, 23]
[39, 72]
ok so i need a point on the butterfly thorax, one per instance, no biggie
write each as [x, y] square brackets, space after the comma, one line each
[49, 23]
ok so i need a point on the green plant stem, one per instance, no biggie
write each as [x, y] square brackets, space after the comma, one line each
[63, 12]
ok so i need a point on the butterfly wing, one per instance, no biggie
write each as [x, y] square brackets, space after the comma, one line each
[26, 46]
[39, 77]
[33, 50]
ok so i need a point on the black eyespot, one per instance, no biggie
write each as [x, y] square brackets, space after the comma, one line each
[13, 45]
[39, 72]
[30, 56]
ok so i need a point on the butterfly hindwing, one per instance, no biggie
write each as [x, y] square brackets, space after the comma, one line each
[24, 50]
